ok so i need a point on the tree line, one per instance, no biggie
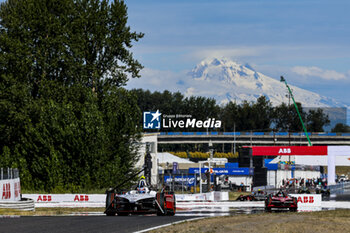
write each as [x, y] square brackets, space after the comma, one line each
[247, 116]
[65, 119]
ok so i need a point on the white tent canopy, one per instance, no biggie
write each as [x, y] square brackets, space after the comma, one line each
[165, 157]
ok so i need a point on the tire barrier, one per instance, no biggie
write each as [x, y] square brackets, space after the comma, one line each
[24, 204]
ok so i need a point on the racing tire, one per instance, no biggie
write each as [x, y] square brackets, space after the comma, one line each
[267, 201]
[173, 211]
[293, 209]
[110, 205]
[123, 213]
[162, 202]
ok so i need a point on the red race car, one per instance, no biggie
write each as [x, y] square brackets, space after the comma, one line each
[281, 200]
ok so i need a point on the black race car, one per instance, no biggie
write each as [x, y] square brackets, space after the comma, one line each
[140, 201]
[255, 196]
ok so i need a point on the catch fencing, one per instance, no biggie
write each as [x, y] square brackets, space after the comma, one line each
[339, 188]
[9, 173]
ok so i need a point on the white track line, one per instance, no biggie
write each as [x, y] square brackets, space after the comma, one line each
[169, 224]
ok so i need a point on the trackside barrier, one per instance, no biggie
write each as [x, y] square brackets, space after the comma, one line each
[10, 190]
[67, 200]
[339, 188]
[24, 204]
[212, 196]
[308, 201]
[98, 200]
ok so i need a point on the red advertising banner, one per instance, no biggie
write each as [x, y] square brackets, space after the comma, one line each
[288, 150]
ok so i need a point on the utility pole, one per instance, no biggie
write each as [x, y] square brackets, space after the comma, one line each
[296, 108]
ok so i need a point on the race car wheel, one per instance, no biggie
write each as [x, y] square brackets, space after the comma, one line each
[122, 213]
[110, 203]
[173, 211]
[267, 202]
[162, 203]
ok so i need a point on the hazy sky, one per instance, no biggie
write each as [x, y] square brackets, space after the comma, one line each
[305, 41]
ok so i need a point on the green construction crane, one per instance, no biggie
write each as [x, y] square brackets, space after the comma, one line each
[296, 107]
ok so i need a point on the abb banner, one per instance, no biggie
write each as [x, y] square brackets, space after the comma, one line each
[10, 190]
[308, 201]
[69, 198]
[288, 150]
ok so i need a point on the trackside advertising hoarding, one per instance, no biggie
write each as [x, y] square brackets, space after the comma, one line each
[288, 150]
[224, 171]
[185, 180]
[308, 201]
[10, 190]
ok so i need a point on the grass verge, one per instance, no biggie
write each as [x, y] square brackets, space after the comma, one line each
[323, 221]
[50, 211]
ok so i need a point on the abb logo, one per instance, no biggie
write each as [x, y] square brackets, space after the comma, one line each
[6, 191]
[17, 189]
[306, 199]
[81, 198]
[284, 151]
[44, 198]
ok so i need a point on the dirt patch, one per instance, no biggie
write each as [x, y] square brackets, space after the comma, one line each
[325, 221]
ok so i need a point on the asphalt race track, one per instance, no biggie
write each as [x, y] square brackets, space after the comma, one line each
[84, 223]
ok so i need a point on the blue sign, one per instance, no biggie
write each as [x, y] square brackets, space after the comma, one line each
[231, 165]
[224, 171]
[270, 166]
[185, 180]
[152, 120]
[175, 165]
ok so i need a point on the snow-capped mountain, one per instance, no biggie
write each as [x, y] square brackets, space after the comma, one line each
[227, 80]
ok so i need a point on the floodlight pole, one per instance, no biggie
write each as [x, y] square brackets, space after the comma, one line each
[296, 108]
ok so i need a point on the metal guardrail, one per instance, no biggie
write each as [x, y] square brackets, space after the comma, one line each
[9, 173]
[339, 188]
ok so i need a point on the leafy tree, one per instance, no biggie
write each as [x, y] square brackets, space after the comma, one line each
[65, 120]
[285, 118]
[341, 128]
[262, 114]
[201, 107]
[230, 116]
[316, 120]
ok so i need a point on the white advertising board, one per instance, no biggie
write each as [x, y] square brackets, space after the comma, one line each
[308, 201]
[60, 198]
[10, 190]
[322, 160]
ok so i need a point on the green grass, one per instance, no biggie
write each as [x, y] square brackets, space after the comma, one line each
[49, 211]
